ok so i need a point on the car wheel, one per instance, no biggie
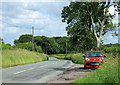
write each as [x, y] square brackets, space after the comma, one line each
[85, 67]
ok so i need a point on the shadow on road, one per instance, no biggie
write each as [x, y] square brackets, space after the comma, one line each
[79, 69]
[75, 69]
[60, 69]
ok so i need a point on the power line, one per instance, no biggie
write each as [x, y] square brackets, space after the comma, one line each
[12, 24]
[9, 23]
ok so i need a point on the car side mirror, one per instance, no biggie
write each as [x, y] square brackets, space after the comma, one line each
[104, 56]
[84, 56]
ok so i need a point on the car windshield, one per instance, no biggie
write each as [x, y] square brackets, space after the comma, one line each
[94, 54]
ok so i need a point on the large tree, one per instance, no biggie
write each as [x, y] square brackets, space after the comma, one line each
[88, 21]
[24, 38]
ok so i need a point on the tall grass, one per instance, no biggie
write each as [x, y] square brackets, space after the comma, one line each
[59, 56]
[75, 58]
[107, 73]
[20, 57]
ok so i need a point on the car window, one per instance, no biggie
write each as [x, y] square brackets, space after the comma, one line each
[94, 54]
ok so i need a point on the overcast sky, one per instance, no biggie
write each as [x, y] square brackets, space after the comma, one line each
[19, 17]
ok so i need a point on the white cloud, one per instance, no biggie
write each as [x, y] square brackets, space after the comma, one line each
[115, 40]
[108, 38]
[19, 17]
[11, 30]
[44, 16]
[111, 10]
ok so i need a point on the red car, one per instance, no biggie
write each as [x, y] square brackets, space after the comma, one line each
[93, 59]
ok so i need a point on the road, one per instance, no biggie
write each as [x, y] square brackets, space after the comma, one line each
[35, 73]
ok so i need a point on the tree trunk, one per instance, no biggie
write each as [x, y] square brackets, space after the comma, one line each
[98, 43]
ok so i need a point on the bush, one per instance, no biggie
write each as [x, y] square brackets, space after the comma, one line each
[28, 46]
[59, 56]
[76, 58]
[111, 49]
[38, 49]
[6, 46]
[68, 56]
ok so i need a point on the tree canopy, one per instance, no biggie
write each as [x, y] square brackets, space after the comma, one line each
[87, 22]
[53, 45]
[24, 38]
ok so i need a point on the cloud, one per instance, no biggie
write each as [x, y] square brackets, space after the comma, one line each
[108, 38]
[12, 30]
[18, 18]
[53, 8]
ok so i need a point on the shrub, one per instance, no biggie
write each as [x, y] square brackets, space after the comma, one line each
[28, 46]
[6, 46]
[111, 49]
[38, 49]
[68, 56]
[77, 58]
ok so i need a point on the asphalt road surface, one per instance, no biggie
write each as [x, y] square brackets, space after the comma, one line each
[35, 73]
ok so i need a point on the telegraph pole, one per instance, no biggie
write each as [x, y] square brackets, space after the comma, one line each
[66, 46]
[46, 48]
[32, 38]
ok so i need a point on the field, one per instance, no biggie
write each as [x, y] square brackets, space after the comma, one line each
[14, 57]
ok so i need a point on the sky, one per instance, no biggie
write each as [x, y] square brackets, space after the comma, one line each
[19, 17]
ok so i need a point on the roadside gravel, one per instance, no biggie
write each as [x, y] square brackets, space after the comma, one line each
[71, 74]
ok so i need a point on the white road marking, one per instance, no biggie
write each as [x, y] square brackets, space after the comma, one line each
[23, 71]
[43, 66]
[20, 72]
[31, 69]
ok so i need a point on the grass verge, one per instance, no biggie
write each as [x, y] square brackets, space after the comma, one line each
[76, 58]
[107, 73]
[16, 57]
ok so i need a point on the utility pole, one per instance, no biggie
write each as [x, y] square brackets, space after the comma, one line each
[66, 46]
[32, 38]
[46, 48]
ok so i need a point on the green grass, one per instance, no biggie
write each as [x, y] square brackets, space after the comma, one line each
[16, 57]
[75, 58]
[59, 56]
[107, 73]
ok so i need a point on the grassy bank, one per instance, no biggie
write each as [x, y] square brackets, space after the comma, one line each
[107, 73]
[16, 57]
[75, 58]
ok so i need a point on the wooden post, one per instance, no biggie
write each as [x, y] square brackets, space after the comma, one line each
[32, 38]
[66, 46]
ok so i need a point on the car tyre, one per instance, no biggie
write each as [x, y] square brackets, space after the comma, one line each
[85, 67]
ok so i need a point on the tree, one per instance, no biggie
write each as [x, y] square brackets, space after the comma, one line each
[53, 47]
[118, 9]
[88, 22]
[61, 41]
[1, 41]
[49, 45]
[28, 46]
[24, 38]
